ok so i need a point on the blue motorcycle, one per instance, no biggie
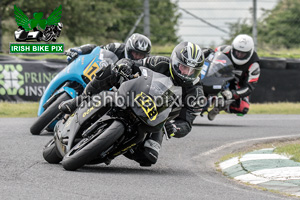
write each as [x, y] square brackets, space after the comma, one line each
[68, 84]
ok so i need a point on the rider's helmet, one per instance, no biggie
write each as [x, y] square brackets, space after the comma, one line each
[59, 26]
[137, 47]
[186, 63]
[242, 49]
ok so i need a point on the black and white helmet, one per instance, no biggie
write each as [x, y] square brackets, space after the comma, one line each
[59, 26]
[137, 47]
[186, 63]
[242, 49]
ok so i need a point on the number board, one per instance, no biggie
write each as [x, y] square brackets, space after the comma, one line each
[148, 105]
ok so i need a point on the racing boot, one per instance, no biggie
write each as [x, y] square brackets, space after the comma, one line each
[213, 113]
[146, 154]
[152, 147]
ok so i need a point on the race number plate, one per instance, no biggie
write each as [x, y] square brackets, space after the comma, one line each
[90, 71]
[148, 105]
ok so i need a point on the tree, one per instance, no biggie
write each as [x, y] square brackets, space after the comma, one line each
[164, 19]
[278, 27]
[281, 27]
[237, 28]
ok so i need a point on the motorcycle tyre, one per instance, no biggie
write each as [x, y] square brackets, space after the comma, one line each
[48, 115]
[51, 154]
[93, 147]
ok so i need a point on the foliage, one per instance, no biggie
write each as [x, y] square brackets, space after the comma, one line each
[281, 27]
[237, 28]
[278, 27]
[162, 18]
[100, 21]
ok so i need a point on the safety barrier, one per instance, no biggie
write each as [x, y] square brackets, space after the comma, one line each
[279, 81]
[27, 79]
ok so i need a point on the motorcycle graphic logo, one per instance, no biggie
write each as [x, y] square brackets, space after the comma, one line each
[11, 80]
[42, 29]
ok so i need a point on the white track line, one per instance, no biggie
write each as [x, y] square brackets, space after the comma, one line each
[248, 157]
[229, 163]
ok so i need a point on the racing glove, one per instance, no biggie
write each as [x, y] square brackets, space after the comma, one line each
[207, 51]
[171, 128]
[72, 54]
[227, 94]
[124, 66]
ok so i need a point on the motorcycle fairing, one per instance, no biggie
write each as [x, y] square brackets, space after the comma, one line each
[74, 71]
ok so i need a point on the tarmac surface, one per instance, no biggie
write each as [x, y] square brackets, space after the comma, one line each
[185, 170]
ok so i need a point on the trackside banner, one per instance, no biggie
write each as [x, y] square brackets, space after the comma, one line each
[26, 80]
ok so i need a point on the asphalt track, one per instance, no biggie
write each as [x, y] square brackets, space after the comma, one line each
[185, 169]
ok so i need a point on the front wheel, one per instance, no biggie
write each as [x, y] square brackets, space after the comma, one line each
[48, 115]
[89, 148]
[51, 154]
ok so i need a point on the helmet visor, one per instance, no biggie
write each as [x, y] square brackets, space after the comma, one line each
[184, 71]
[241, 55]
[137, 55]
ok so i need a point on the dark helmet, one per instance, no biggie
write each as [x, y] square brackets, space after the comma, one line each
[186, 63]
[139, 44]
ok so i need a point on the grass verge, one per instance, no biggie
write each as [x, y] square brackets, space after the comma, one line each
[275, 108]
[18, 109]
[29, 109]
[291, 150]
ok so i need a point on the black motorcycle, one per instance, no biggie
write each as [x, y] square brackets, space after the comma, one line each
[216, 75]
[112, 122]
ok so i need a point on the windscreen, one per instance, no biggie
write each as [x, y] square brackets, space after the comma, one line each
[220, 66]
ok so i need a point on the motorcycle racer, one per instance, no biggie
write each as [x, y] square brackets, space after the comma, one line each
[137, 47]
[184, 67]
[247, 71]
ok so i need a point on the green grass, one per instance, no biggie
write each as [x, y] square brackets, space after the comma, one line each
[29, 109]
[292, 150]
[275, 108]
[18, 109]
[279, 53]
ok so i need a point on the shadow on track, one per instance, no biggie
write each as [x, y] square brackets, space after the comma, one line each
[46, 133]
[221, 125]
[151, 171]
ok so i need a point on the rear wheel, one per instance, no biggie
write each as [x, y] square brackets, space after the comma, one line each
[49, 115]
[89, 148]
[51, 154]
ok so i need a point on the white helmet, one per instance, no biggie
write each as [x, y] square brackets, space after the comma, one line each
[242, 49]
